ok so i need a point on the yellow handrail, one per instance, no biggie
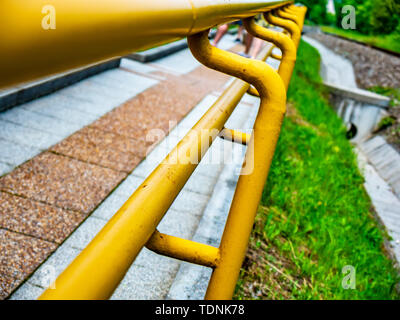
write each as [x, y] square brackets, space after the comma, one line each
[86, 32]
[288, 25]
[143, 210]
[259, 154]
[99, 268]
[282, 41]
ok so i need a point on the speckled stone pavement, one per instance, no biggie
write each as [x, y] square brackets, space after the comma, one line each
[60, 183]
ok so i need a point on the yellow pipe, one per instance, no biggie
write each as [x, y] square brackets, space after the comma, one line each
[259, 155]
[247, 195]
[294, 17]
[276, 56]
[292, 10]
[301, 12]
[41, 38]
[116, 246]
[183, 249]
[119, 242]
[99, 268]
[287, 24]
[297, 10]
[253, 91]
[235, 136]
[282, 41]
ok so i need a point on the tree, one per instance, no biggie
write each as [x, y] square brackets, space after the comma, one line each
[372, 16]
[316, 12]
[385, 16]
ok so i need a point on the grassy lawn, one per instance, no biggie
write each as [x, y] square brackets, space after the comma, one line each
[392, 93]
[315, 216]
[381, 41]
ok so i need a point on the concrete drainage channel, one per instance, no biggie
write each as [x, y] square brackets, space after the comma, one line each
[361, 111]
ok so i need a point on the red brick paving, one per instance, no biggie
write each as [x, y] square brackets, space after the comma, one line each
[37, 219]
[20, 255]
[102, 148]
[62, 182]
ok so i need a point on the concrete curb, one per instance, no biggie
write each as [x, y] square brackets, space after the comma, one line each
[167, 49]
[158, 52]
[33, 90]
[359, 95]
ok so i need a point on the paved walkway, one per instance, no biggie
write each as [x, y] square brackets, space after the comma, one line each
[75, 156]
[197, 212]
[70, 158]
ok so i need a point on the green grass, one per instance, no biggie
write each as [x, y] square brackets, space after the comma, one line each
[392, 93]
[389, 42]
[315, 216]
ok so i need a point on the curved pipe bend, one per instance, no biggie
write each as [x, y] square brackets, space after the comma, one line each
[298, 11]
[279, 39]
[259, 154]
[287, 24]
[264, 78]
[291, 16]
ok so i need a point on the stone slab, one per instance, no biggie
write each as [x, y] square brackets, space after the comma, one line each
[29, 91]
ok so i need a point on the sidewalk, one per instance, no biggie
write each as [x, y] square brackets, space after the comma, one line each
[69, 151]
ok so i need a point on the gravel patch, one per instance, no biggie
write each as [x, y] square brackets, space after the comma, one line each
[372, 67]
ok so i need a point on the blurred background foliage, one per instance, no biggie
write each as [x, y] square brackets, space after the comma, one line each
[372, 16]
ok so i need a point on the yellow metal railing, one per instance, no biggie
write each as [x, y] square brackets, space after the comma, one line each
[39, 38]
[100, 267]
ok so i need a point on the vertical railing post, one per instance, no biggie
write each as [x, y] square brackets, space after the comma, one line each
[282, 41]
[288, 25]
[259, 155]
